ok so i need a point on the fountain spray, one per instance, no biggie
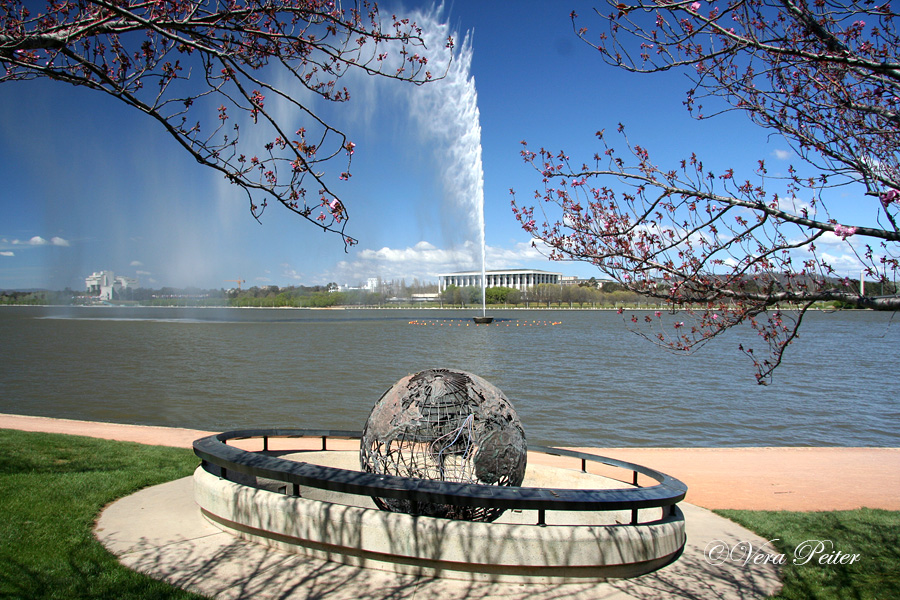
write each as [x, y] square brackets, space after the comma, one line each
[447, 113]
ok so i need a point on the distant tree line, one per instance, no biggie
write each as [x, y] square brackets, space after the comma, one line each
[545, 295]
[37, 297]
[318, 296]
[384, 293]
[381, 293]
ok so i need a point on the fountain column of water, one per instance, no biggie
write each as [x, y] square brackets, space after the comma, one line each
[483, 271]
[447, 114]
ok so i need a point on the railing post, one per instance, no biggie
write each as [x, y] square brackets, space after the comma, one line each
[323, 443]
[265, 443]
[542, 520]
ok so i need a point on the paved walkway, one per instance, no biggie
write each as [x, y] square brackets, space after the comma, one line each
[160, 531]
[745, 478]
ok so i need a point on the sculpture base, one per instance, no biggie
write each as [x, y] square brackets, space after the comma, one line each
[572, 547]
[483, 320]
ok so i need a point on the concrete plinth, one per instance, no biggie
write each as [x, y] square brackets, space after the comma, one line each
[572, 546]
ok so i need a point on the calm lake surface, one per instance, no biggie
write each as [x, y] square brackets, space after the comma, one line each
[586, 381]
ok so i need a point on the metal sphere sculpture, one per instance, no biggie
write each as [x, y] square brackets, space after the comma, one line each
[444, 425]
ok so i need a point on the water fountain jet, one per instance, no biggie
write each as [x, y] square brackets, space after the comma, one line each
[448, 112]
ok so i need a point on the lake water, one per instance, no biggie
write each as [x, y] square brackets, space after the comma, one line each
[585, 381]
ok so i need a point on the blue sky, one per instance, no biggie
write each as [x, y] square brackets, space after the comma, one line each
[89, 184]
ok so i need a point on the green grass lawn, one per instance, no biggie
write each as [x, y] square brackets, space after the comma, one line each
[872, 534]
[52, 487]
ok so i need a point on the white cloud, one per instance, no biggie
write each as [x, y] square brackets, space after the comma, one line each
[843, 264]
[423, 252]
[289, 272]
[833, 251]
[518, 255]
[39, 241]
[137, 263]
[795, 206]
[829, 238]
[35, 241]
[425, 261]
[7, 253]
[782, 154]
[143, 272]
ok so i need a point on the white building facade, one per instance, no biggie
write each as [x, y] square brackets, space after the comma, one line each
[519, 279]
[106, 286]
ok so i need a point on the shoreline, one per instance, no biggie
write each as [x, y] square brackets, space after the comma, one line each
[410, 307]
[801, 478]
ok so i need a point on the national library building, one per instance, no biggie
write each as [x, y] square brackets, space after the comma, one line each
[520, 279]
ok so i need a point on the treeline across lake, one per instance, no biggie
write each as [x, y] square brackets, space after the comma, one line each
[266, 296]
[544, 295]
[329, 296]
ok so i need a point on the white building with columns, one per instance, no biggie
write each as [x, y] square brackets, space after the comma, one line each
[519, 279]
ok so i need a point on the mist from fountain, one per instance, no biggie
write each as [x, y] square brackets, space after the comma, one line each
[447, 114]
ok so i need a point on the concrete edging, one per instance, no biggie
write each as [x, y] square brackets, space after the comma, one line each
[496, 552]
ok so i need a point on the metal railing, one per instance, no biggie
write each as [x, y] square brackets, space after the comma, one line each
[214, 450]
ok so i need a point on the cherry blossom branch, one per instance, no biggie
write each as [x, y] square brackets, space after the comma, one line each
[708, 246]
[825, 76]
[149, 55]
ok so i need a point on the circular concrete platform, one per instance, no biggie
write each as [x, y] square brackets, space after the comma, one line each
[160, 531]
[572, 546]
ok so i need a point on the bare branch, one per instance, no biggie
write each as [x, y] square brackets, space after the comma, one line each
[176, 61]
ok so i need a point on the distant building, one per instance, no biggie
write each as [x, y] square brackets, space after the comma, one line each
[430, 297]
[520, 279]
[106, 286]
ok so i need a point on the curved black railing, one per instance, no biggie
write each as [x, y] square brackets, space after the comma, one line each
[214, 450]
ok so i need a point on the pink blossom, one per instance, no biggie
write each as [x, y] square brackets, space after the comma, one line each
[695, 7]
[844, 232]
[889, 196]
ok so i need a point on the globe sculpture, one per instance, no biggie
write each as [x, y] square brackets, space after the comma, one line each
[444, 425]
